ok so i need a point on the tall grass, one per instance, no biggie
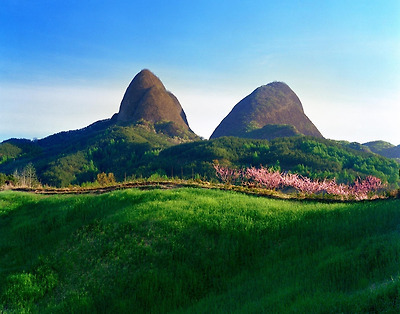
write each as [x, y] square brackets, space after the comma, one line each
[194, 250]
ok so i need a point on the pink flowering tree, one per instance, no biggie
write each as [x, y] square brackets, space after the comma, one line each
[273, 180]
[227, 175]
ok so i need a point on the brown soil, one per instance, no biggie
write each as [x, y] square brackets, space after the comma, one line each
[168, 184]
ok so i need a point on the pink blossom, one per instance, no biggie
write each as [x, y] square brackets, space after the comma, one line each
[270, 179]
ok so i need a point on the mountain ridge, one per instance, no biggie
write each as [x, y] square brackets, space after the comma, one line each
[385, 149]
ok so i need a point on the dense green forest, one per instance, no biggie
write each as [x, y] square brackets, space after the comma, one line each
[142, 149]
[312, 157]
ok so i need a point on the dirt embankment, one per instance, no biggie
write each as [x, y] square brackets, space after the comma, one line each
[105, 189]
[169, 184]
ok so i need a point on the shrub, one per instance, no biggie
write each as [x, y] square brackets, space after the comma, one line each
[104, 179]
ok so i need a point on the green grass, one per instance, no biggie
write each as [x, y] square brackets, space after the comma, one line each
[193, 250]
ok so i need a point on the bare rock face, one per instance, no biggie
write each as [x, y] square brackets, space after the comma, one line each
[146, 98]
[270, 105]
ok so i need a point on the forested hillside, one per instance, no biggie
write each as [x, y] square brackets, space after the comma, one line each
[143, 149]
[76, 157]
[312, 157]
[385, 149]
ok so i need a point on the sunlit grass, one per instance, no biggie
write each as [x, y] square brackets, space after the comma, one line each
[196, 250]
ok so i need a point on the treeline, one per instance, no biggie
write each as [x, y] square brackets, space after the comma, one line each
[141, 151]
[311, 157]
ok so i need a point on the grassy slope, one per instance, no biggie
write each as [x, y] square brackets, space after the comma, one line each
[194, 250]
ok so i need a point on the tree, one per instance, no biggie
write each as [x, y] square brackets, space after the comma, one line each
[29, 173]
[27, 177]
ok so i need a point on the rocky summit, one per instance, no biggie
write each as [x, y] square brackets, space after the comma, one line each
[146, 98]
[272, 110]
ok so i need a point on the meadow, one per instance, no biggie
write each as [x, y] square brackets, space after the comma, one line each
[192, 250]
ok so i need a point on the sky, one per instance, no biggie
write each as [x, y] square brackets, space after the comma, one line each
[65, 64]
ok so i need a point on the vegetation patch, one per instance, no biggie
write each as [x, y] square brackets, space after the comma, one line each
[131, 151]
[271, 179]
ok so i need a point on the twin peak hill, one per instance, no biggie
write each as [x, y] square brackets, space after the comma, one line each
[150, 114]
[270, 111]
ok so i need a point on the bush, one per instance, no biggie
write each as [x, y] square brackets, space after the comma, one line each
[104, 179]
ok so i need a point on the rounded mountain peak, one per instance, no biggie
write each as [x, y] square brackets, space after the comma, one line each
[271, 104]
[146, 98]
[145, 79]
[276, 94]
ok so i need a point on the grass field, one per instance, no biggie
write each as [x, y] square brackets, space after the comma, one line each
[197, 251]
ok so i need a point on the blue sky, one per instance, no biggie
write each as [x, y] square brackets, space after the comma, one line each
[66, 64]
